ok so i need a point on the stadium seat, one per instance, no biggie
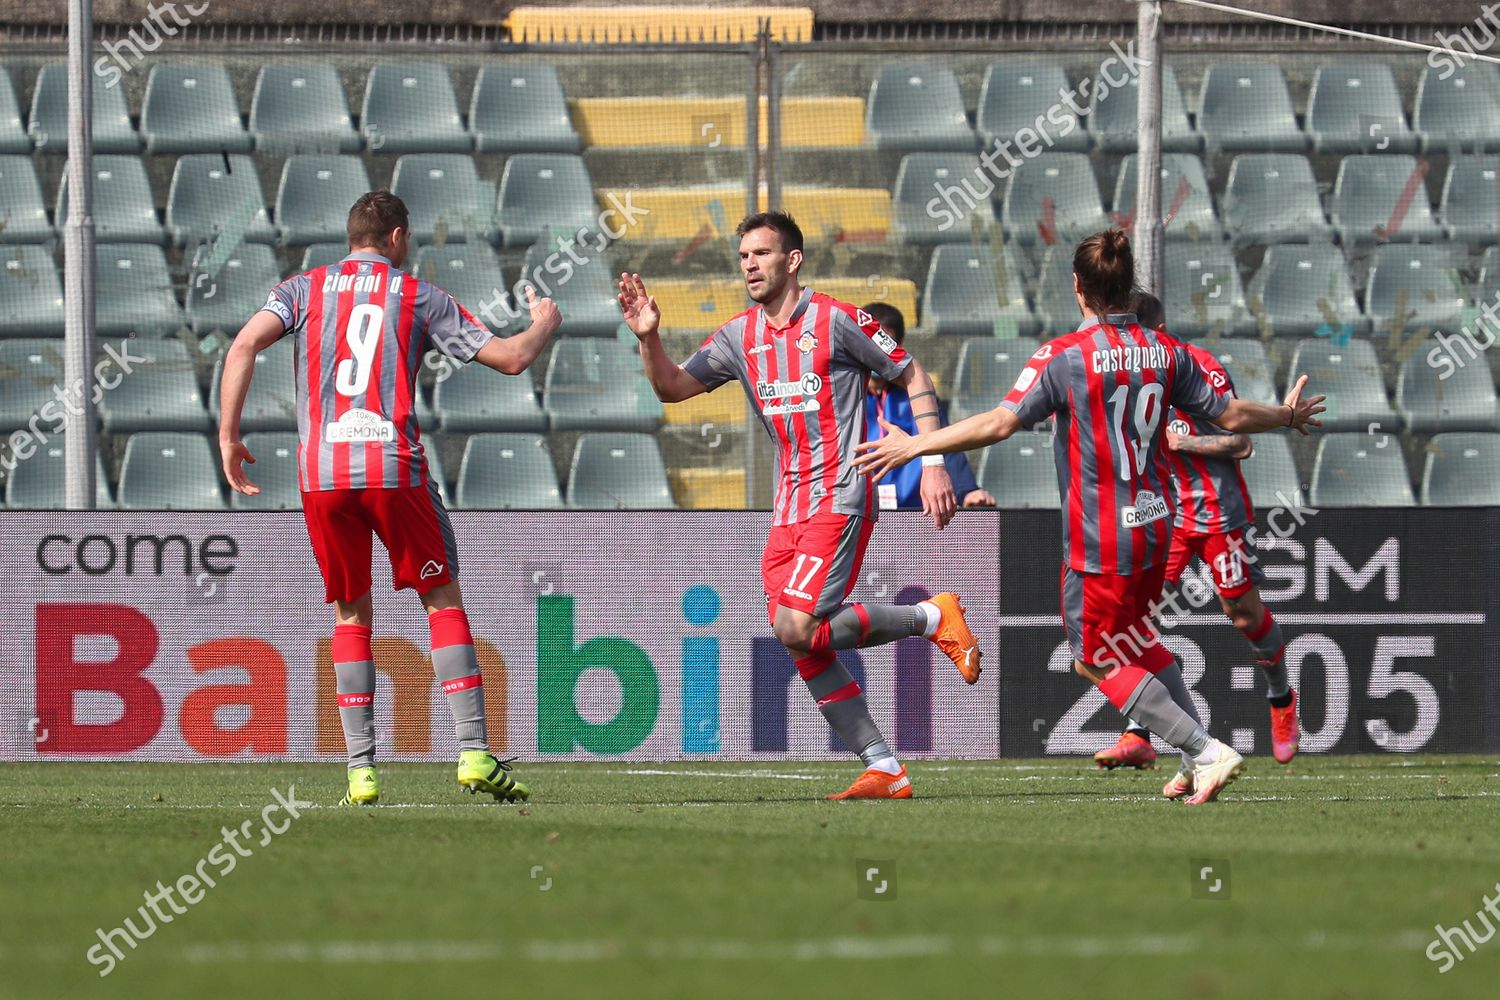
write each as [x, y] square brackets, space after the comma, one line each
[1352, 471]
[542, 190]
[323, 254]
[1055, 304]
[39, 482]
[1382, 198]
[708, 412]
[1019, 93]
[1273, 198]
[585, 293]
[31, 293]
[613, 471]
[1246, 106]
[954, 184]
[1112, 118]
[124, 207]
[447, 200]
[1460, 471]
[300, 108]
[133, 279]
[1456, 110]
[1271, 474]
[697, 303]
[165, 470]
[271, 403]
[13, 138]
[597, 384]
[29, 370]
[1249, 367]
[518, 107]
[471, 273]
[226, 299]
[508, 472]
[1349, 375]
[1464, 401]
[987, 369]
[971, 293]
[1020, 472]
[192, 108]
[900, 293]
[1470, 207]
[1354, 107]
[1412, 286]
[160, 393]
[23, 214]
[209, 202]
[1187, 210]
[411, 108]
[475, 398]
[917, 107]
[315, 194]
[1302, 289]
[1052, 199]
[274, 471]
[708, 489]
[1203, 292]
[48, 122]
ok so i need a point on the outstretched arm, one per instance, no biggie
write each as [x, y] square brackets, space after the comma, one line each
[513, 355]
[263, 330]
[1211, 445]
[898, 447]
[1245, 417]
[668, 380]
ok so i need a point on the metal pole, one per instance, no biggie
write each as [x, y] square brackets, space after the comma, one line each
[773, 122]
[752, 202]
[1149, 232]
[78, 264]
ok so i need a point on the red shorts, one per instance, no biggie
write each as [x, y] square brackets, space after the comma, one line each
[411, 523]
[1108, 618]
[1226, 555]
[812, 565]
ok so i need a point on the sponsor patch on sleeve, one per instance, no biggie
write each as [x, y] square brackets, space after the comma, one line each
[278, 307]
[1025, 379]
[885, 342]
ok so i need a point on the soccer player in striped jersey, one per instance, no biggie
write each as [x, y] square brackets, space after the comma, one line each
[803, 359]
[361, 328]
[1109, 385]
[1213, 513]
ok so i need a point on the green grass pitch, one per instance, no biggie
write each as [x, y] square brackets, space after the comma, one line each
[1009, 878]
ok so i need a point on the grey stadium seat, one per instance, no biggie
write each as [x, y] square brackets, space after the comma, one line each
[1273, 198]
[519, 107]
[1460, 471]
[323, 254]
[39, 482]
[917, 106]
[1246, 106]
[160, 393]
[1304, 288]
[134, 291]
[1370, 194]
[1017, 94]
[923, 178]
[987, 369]
[508, 472]
[970, 293]
[29, 369]
[48, 122]
[1271, 474]
[1465, 401]
[411, 108]
[23, 214]
[301, 108]
[475, 398]
[618, 472]
[31, 293]
[1414, 285]
[1052, 199]
[542, 190]
[1470, 207]
[192, 108]
[124, 207]
[1459, 113]
[274, 471]
[1112, 118]
[1351, 471]
[587, 298]
[315, 194]
[597, 384]
[1354, 107]
[209, 202]
[1187, 210]
[1020, 472]
[13, 138]
[164, 470]
[471, 273]
[271, 403]
[1248, 365]
[1349, 375]
[1203, 292]
[1055, 303]
[447, 200]
[226, 299]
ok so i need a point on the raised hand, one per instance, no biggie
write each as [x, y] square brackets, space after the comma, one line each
[641, 313]
[1304, 411]
[892, 451]
[545, 316]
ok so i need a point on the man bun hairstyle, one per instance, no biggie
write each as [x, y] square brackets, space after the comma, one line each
[1105, 267]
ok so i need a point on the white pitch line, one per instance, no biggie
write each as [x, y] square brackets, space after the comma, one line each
[721, 774]
[1288, 617]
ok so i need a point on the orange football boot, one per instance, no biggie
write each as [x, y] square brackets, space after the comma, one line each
[954, 638]
[1129, 751]
[875, 784]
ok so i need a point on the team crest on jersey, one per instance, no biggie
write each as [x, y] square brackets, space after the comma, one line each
[807, 343]
[1180, 426]
[1043, 353]
[358, 426]
[1148, 508]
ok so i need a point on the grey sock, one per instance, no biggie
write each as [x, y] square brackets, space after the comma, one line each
[355, 684]
[1131, 726]
[1171, 677]
[1270, 654]
[457, 670]
[850, 716]
[1152, 705]
[861, 625]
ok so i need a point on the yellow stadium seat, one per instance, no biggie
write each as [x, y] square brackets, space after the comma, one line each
[859, 213]
[698, 303]
[657, 24]
[723, 408]
[681, 213]
[898, 292]
[701, 122]
[819, 121]
[709, 489]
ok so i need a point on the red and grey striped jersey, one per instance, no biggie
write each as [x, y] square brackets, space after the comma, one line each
[1110, 385]
[1212, 497]
[807, 381]
[361, 328]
